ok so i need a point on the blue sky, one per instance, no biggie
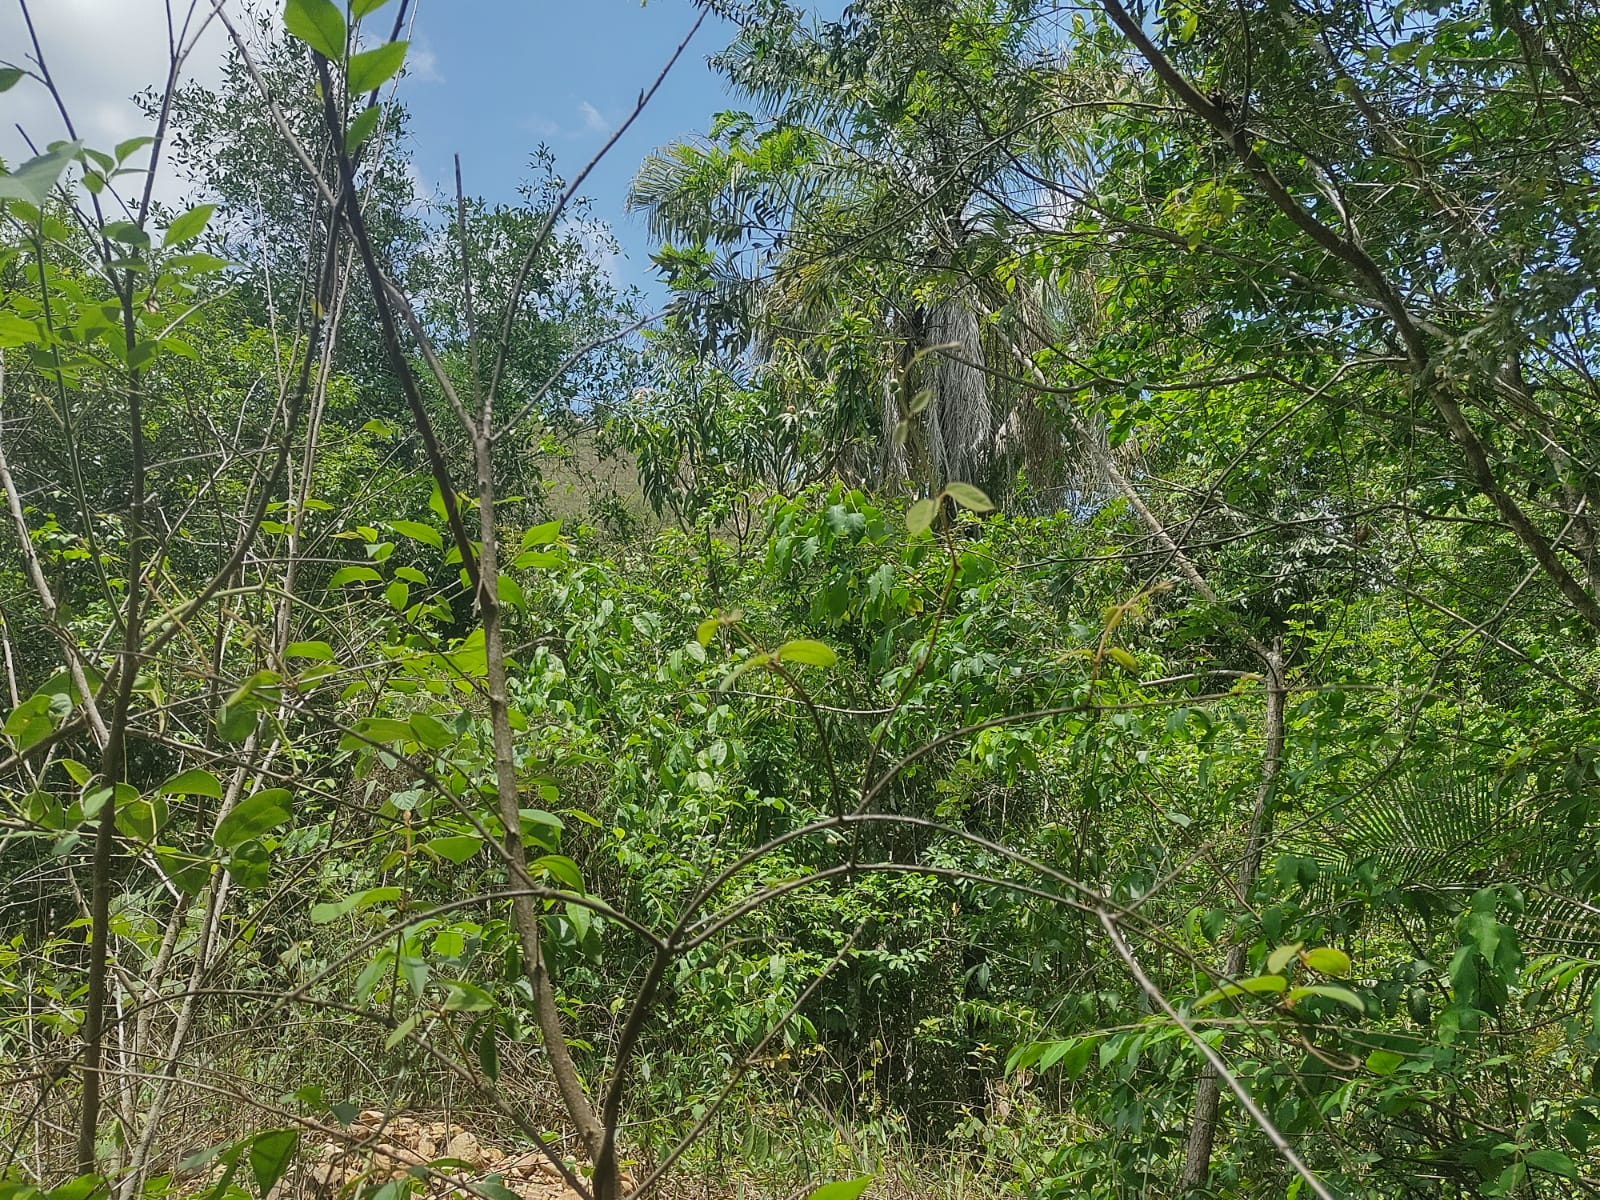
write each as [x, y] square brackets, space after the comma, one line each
[492, 79]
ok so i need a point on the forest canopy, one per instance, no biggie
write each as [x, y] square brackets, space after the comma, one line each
[1060, 662]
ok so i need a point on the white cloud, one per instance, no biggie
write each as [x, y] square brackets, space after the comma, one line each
[100, 53]
[588, 121]
[422, 64]
[593, 122]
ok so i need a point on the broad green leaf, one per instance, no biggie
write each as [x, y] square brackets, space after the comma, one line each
[707, 629]
[541, 559]
[1282, 957]
[456, 848]
[397, 594]
[361, 8]
[466, 997]
[76, 771]
[189, 872]
[270, 1155]
[371, 69]
[1329, 991]
[1257, 985]
[561, 868]
[509, 592]
[10, 77]
[317, 23]
[320, 651]
[360, 130]
[354, 574]
[1328, 960]
[1384, 1062]
[235, 723]
[32, 181]
[140, 818]
[1553, 1161]
[547, 534]
[402, 1031]
[31, 722]
[321, 914]
[192, 783]
[844, 1189]
[1123, 659]
[123, 149]
[969, 497]
[919, 517]
[430, 731]
[253, 816]
[189, 226]
[418, 532]
[811, 653]
[383, 729]
[251, 865]
[488, 1051]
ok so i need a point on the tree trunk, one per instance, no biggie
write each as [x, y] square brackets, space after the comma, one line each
[1207, 1094]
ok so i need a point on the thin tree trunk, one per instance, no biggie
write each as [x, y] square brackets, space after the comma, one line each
[1208, 1091]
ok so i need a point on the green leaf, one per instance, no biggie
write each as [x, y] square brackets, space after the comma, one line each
[140, 818]
[418, 532]
[1282, 956]
[371, 69]
[383, 729]
[31, 722]
[465, 997]
[270, 1155]
[360, 130]
[124, 149]
[78, 773]
[1328, 961]
[1384, 1062]
[320, 651]
[457, 848]
[430, 731]
[509, 592]
[192, 783]
[1553, 1161]
[1327, 990]
[397, 594]
[919, 517]
[251, 865]
[402, 1031]
[189, 226]
[542, 559]
[254, 816]
[360, 8]
[561, 868]
[321, 914]
[10, 77]
[488, 1051]
[32, 181]
[1258, 985]
[235, 722]
[845, 1189]
[969, 497]
[345, 575]
[811, 653]
[318, 24]
[547, 534]
[1123, 659]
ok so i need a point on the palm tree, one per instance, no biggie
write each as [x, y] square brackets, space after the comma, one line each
[854, 223]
